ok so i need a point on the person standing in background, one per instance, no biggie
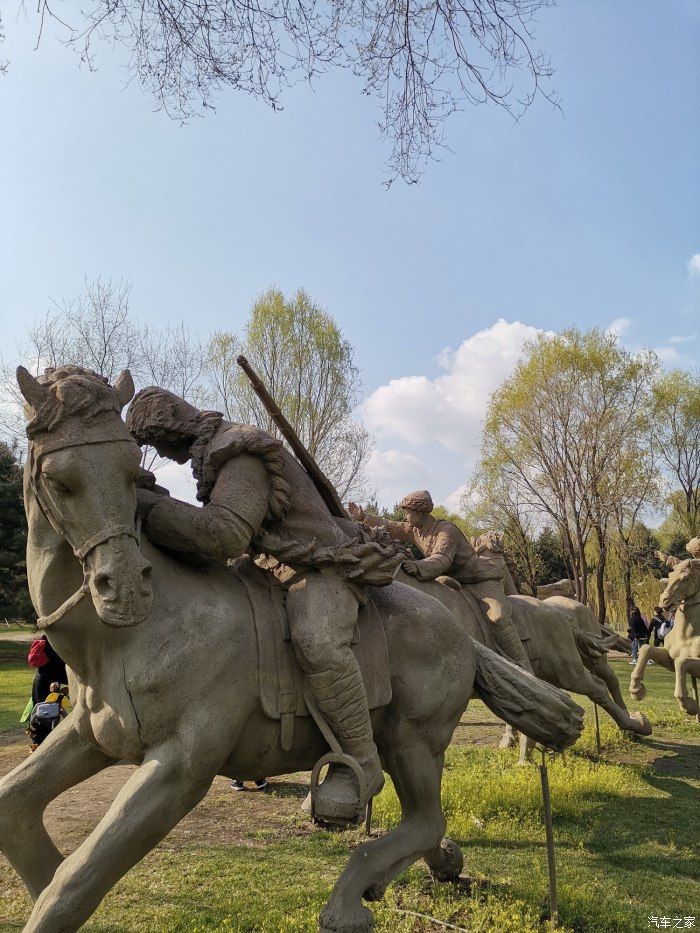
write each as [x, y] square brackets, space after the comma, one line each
[49, 666]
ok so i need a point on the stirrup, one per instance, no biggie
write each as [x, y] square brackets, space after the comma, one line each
[345, 761]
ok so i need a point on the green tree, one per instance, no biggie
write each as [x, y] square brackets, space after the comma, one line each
[569, 433]
[308, 366]
[14, 592]
[550, 554]
[676, 397]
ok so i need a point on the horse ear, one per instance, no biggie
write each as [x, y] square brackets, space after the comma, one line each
[33, 391]
[124, 386]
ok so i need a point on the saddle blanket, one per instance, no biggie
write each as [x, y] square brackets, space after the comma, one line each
[282, 681]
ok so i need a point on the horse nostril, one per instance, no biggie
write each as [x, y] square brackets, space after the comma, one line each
[146, 575]
[104, 586]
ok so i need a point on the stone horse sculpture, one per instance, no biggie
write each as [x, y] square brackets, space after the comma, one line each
[565, 644]
[681, 650]
[132, 621]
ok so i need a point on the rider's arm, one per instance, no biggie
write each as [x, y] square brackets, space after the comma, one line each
[440, 560]
[401, 531]
[223, 528]
[668, 559]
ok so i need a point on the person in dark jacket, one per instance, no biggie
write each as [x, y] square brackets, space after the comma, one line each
[658, 627]
[50, 668]
[637, 631]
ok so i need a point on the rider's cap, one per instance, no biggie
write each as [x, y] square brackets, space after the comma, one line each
[419, 501]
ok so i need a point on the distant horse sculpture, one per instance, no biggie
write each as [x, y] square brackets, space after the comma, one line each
[565, 644]
[164, 672]
[681, 650]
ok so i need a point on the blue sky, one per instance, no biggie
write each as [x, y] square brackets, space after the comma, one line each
[586, 217]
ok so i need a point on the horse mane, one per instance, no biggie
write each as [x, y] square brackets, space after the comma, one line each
[72, 391]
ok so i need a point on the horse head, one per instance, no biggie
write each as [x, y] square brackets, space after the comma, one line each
[683, 583]
[83, 464]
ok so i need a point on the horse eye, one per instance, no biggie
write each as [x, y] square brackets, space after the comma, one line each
[57, 485]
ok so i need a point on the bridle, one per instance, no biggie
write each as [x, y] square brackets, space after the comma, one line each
[48, 509]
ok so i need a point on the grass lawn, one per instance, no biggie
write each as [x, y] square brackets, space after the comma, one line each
[15, 684]
[626, 829]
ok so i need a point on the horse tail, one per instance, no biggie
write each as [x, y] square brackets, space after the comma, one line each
[544, 713]
[593, 647]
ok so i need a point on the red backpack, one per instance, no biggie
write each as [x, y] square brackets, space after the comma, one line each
[37, 656]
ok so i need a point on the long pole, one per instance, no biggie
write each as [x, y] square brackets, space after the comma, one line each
[320, 480]
[597, 729]
[694, 682]
[551, 864]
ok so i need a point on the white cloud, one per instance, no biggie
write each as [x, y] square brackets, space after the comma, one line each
[395, 473]
[453, 502]
[668, 355]
[681, 338]
[449, 409]
[694, 266]
[619, 326]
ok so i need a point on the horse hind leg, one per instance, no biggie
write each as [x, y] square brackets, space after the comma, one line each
[416, 772]
[596, 690]
[609, 677]
[509, 738]
[685, 666]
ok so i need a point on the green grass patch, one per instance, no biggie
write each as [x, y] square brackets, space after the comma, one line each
[15, 689]
[626, 830]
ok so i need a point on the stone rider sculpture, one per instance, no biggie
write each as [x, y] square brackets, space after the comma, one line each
[257, 498]
[446, 552]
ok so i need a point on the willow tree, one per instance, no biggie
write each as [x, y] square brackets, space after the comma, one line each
[677, 429]
[567, 432]
[308, 366]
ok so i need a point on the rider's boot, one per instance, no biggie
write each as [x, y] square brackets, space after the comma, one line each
[508, 641]
[340, 696]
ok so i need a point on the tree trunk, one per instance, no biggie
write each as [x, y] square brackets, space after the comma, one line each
[600, 574]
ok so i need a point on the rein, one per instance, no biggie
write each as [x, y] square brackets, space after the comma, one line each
[50, 513]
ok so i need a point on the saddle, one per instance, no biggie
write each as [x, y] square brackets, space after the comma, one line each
[282, 683]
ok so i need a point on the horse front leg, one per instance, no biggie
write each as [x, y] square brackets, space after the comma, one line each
[685, 666]
[60, 762]
[647, 653]
[171, 781]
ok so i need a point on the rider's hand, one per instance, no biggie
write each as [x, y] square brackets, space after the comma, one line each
[411, 567]
[357, 512]
[145, 500]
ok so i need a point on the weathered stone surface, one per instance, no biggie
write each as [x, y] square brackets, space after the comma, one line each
[163, 672]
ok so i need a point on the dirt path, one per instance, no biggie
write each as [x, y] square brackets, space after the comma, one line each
[25, 638]
[224, 817]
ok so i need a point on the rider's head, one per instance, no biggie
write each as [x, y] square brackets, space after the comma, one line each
[165, 421]
[693, 548]
[417, 506]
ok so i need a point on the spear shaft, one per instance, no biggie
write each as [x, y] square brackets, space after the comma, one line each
[319, 478]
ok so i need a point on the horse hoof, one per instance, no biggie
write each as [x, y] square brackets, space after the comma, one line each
[644, 726]
[447, 865]
[354, 920]
[689, 705]
[638, 692]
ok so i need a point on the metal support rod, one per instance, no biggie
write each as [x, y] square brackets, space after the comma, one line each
[553, 903]
[597, 729]
[368, 820]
